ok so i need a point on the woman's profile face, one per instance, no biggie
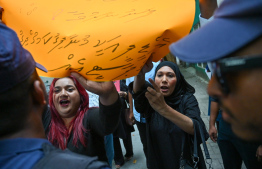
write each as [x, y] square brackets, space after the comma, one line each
[166, 80]
[66, 97]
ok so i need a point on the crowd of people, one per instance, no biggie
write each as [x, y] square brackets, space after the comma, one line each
[62, 130]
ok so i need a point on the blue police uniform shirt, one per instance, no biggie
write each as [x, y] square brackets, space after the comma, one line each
[148, 75]
[21, 152]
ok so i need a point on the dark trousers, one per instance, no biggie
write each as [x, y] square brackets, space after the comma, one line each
[119, 158]
[142, 133]
[234, 150]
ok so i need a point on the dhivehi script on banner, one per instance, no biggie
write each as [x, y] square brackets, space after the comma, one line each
[103, 40]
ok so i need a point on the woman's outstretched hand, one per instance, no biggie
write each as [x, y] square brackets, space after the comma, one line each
[156, 98]
[106, 90]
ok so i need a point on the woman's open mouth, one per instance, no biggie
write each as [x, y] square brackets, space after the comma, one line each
[64, 103]
[164, 88]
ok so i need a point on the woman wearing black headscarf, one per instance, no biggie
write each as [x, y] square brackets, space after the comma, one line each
[171, 110]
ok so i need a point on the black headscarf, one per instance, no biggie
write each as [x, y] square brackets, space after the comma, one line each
[181, 87]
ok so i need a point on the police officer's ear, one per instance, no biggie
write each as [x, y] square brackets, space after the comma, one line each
[39, 93]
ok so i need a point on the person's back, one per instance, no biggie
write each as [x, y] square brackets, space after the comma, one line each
[23, 100]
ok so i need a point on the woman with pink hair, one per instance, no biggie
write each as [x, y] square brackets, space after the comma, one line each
[70, 123]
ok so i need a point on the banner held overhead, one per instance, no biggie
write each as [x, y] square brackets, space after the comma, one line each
[103, 40]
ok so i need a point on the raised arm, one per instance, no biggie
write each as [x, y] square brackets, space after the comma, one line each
[106, 90]
[105, 119]
[139, 80]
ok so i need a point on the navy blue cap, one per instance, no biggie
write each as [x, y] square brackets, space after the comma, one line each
[236, 23]
[16, 63]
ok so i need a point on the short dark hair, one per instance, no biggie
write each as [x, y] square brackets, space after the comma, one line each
[15, 105]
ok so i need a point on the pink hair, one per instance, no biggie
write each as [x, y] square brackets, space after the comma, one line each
[57, 129]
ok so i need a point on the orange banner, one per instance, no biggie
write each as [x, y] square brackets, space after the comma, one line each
[104, 40]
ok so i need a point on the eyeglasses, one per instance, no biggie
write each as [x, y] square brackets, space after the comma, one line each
[234, 64]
